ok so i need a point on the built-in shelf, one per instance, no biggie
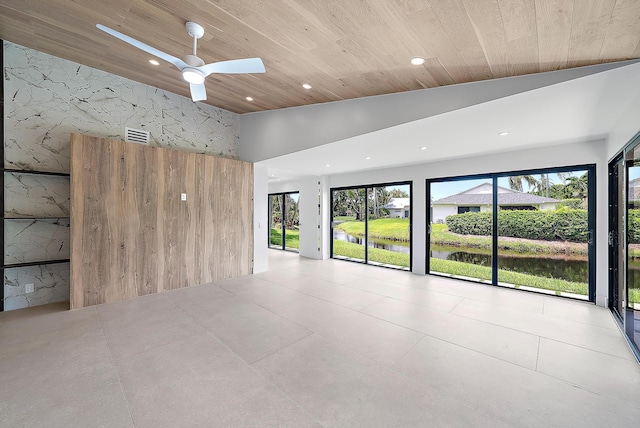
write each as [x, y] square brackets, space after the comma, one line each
[36, 218]
[35, 263]
[38, 263]
[28, 171]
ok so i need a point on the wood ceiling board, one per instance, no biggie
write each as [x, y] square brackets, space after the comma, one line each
[343, 49]
[554, 33]
[590, 23]
[621, 36]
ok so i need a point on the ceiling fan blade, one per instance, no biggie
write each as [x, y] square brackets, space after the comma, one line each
[198, 92]
[234, 66]
[148, 49]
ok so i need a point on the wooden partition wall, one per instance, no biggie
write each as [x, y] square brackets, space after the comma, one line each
[132, 235]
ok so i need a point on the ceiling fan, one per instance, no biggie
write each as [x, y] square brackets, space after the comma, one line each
[193, 69]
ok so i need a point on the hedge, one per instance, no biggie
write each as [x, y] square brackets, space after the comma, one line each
[549, 225]
[634, 226]
[574, 203]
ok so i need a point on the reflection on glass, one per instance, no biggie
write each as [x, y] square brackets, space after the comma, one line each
[275, 221]
[348, 224]
[292, 221]
[542, 233]
[461, 229]
[632, 311]
[388, 226]
[284, 221]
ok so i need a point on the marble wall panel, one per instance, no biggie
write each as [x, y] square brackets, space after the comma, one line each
[51, 285]
[35, 240]
[47, 99]
[31, 195]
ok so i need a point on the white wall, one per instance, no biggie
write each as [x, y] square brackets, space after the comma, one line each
[268, 134]
[590, 152]
[440, 212]
[627, 126]
[260, 218]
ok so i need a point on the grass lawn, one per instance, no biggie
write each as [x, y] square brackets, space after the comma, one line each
[292, 238]
[509, 277]
[356, 251]
[393, 229]
[344, 218]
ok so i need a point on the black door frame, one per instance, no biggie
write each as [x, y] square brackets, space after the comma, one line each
[282, 208]
[366, 223]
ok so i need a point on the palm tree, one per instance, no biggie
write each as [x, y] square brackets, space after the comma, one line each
[515, 182]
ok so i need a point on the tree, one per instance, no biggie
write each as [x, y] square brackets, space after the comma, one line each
[577, 187]
[398, 193]
[292, 219]
[516, 181]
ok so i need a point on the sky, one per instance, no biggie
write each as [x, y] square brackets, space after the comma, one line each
[443, 189]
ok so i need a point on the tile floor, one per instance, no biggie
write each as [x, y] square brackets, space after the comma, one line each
[319, 343]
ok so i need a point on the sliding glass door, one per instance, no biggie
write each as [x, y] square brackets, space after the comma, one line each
[631, 295]
[284, 221]
[544, 233]
[372, 224]
[461, 226]
[531, 230]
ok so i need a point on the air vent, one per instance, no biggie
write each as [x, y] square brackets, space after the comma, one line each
[136, 136]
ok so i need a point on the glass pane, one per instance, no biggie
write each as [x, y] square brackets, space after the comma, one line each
[632, 311]
[621, 244]
[348, 224]
[292, 221]
[542, 233]
[275, 221]
[461, 228]
[388, 233]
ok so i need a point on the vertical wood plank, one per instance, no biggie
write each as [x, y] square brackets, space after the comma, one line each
[76, 221]
[132, 233]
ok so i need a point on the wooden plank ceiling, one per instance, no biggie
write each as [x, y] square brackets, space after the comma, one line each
[344, 49]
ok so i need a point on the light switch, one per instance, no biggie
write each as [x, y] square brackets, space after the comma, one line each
[29, 288]
[183, 196]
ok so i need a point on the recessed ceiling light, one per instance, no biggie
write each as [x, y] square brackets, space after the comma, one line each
[249, 99]
[306, 86]
[423, 148]
[327, 165]
[417, 61]
[368, 158]
[503, 133]
[154, 62]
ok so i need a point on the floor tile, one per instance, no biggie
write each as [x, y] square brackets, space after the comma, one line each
[138, 325]
[518, 396]
[278, 276]
[583, 312]
[600, 339]
[249, 330]
[266, 294]
[440, 301]
[379, 340]
[29, 329]
[601, 373]
[341, 388]
[66, 381]
[504, 343]
[199, 382]
[340, 295]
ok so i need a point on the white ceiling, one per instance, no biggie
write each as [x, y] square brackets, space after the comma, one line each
[583, 109]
